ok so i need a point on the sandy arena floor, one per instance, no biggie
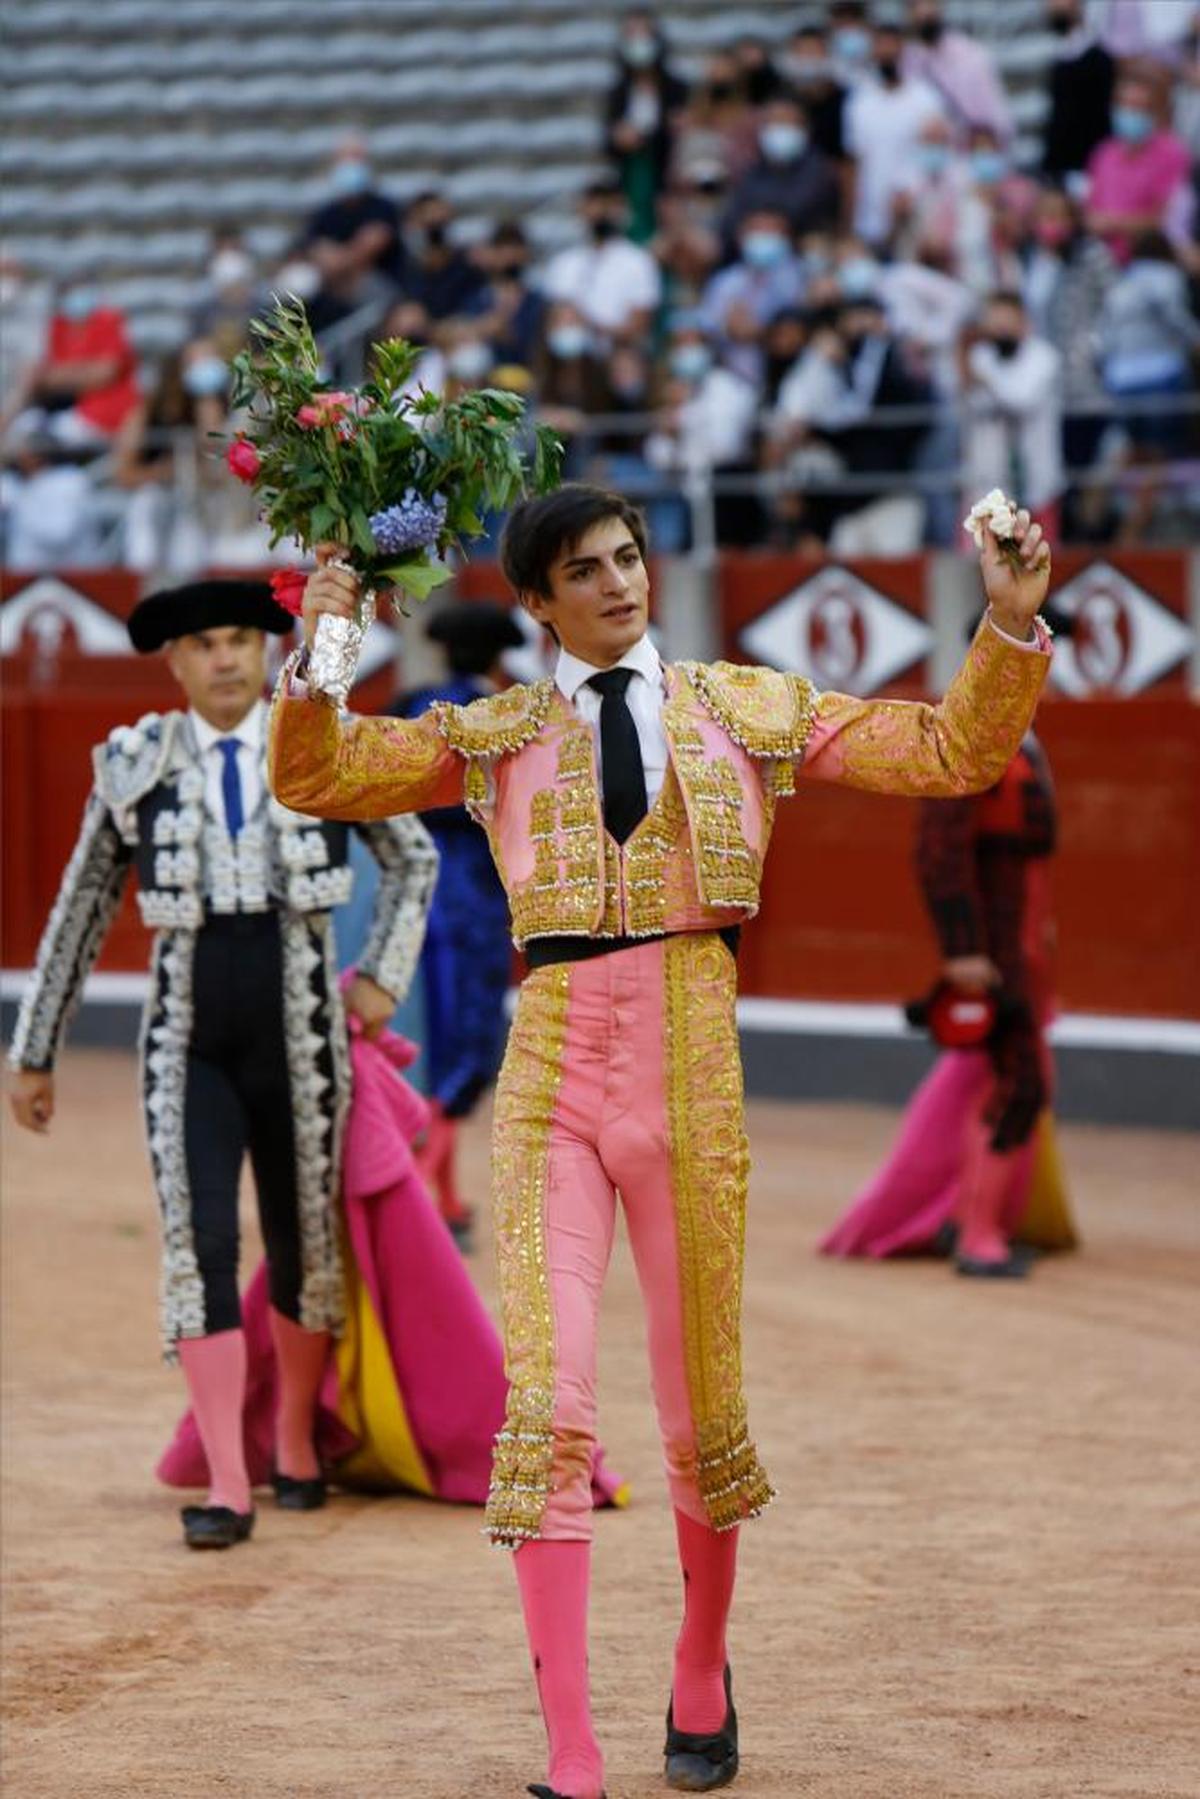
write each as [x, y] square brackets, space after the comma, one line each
[980, 1581]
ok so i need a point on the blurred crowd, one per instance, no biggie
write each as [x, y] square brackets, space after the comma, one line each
[815, 302]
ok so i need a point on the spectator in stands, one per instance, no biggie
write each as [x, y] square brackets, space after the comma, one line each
[850, 41]
[940, 209]
[436, 275]
[25, 311]
[759, 80]
[739, 301]
[612, 282]
[1067, 282]
[706, 423]
[806, 68]
[162, 456]
[469, 358]
[884, 119]
[1011, 383]
[232, 299]
[717, 130]
[960, 71]
[570, 379]
[853, 366]
[409, 320]
[642, 103]
[507, 312]
[1155, 29]
[84, 385]
[855, 269]
[1009, 199]
[927, 307]
[688, 245]
[791, 176]
[1138, 176]
[1148, 338]
[353, 237]
[1082, 76]
[48, 509]
[783, 344]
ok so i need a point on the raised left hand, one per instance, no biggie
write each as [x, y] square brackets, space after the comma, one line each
[371, 1004]
[1016, 576]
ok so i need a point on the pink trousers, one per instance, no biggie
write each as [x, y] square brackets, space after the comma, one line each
[622, 1076]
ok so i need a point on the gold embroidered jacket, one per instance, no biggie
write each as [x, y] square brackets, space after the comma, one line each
[525, 765]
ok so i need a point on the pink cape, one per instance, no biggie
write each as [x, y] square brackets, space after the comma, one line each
[424, 1355]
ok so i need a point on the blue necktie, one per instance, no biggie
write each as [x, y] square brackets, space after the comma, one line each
[231, 786]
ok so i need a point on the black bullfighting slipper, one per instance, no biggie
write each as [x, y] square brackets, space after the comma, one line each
[541, 1792]
[1014, 1267]
[292, 1495]
[215, 1526]
[699, 1764]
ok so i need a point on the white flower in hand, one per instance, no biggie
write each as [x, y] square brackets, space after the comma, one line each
[996, 511]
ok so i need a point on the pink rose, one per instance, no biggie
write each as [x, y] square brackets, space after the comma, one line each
[287, 589]
[325, 409]
[243, 460]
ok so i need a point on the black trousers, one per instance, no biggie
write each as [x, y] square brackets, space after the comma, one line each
[237, 1099]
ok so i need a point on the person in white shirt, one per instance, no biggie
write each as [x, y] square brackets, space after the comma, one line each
[1011, 383]
[883, 125]
[245, 1034]
[612, 281]
[707, 424]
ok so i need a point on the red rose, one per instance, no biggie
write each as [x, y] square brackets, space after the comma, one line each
[287, 589]
[243, 460]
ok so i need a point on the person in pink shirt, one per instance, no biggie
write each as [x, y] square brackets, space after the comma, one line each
[960, 71]
[1136, 174]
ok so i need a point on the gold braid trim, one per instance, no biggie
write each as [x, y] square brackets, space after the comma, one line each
[523, 1457]
[710, 1165]
[497, 724]
[767, 712]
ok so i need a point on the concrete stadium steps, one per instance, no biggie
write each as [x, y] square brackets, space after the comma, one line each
[136, 127]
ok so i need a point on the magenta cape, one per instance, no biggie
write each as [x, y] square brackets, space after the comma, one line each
[415, 1389]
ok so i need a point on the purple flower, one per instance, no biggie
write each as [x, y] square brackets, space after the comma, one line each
[415, 523]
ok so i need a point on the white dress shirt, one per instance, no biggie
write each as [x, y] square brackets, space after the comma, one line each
[644, 696]
[251, 737]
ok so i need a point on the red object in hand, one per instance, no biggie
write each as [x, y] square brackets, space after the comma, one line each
[243, 460]
[287, 589]
[957, 1019]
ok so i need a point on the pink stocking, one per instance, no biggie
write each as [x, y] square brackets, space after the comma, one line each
[553, 1578]
[987, 1183]
[301, 1356]
[708, 1560]
[215, 1371]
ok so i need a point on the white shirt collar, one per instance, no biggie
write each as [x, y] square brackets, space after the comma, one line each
[571, 673]
[251, 730]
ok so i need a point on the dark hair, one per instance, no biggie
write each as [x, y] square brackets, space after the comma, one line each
[1006, 296]
[539, 530]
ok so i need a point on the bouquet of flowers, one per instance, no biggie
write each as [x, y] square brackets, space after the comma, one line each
[396, 475]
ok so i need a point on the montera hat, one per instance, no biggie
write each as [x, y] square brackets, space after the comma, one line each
[474, 632]
[204, 606]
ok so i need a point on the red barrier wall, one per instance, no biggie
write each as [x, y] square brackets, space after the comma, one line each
[840, 919]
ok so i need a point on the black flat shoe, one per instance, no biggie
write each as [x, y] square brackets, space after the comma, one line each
[293, 1495]
[699, 1764]
[541, 1792]
[215, 1526]
[1015, 1267]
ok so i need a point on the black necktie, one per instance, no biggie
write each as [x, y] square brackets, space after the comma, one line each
[625, 802]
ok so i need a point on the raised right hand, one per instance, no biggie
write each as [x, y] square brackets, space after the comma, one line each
[31, 1095]
[332, 590]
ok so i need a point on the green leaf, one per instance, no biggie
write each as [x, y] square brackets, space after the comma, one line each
[416, 578]
[323, 519]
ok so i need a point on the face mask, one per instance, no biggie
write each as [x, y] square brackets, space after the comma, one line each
[857, 277]
[230, 268]
[782, 142]
[639, 52]
[764, 249]
[567, 341]
[1052, 233]
[935, 158]
[603, 229]
[851, 44]
[1061, 24]
[988, 167]
[1132, 124]
[79, 304]
[206, 376]
[350, 176]
[470, 361]
[299, 278]
[691, 362]
[1005, 345]
[930, 30]
[889, 70]
[721, 90]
